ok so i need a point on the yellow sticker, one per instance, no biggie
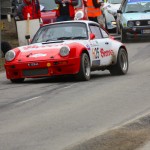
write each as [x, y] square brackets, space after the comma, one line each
[48, 64]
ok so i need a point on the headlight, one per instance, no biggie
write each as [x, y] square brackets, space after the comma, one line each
[10, 55]
[130, 23]
[79, 15]
[64, 51]
[137, 23]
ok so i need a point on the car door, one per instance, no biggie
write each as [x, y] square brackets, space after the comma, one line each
[95, 46]
[101, 46]
[106, 52]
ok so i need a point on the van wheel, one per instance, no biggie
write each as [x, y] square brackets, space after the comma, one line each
[123, 36]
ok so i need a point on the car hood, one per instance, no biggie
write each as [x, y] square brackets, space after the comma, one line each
[136, 16]
[39, 51]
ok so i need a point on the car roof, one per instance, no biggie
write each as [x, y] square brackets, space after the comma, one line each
[73, 21]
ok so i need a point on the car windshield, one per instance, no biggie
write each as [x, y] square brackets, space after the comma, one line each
[61, 31]
[137, 6]
[51, 5]
[115, 1]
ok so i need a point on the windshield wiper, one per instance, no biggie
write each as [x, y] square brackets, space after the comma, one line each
[148, 10]
[52, 41]
[132, 11]
[79, 37]
[64, 38]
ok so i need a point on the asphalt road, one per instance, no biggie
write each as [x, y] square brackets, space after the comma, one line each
[52, 114]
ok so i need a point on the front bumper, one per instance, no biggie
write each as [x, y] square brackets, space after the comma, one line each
[137, 32]
[42, 68]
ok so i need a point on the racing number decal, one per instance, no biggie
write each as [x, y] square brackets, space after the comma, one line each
[95, 53]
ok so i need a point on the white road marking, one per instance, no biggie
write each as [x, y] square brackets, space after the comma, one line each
[25, 101]
[69, 86]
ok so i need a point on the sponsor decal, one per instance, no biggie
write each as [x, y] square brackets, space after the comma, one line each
[48, 64]
[37, 47]
[38, 55]
[106, 53]
[88, 47]
[95, 53]
[135, 1]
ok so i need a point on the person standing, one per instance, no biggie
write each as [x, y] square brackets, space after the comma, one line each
[65, 9]
[31, 7]
[93, 9]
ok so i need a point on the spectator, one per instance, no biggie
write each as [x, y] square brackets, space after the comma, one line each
[5, 47]
[93, 10]
[66, 9]
[29, 6]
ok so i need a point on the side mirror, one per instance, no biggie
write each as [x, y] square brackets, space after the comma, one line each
[92, 36]
[119, 11]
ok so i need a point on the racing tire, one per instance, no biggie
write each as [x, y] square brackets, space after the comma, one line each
[20, 80]
[85, 69]
[123, 36]
[121, 67]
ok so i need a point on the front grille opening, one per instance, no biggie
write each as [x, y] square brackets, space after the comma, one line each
[35, 72]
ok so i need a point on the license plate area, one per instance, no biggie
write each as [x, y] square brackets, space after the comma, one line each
[146, 31]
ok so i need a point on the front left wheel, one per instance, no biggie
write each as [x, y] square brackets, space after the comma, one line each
[85, 69]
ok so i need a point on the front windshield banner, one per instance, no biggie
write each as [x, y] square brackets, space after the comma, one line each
[136, 1]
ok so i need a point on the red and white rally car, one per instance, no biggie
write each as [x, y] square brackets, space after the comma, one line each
[67, 48]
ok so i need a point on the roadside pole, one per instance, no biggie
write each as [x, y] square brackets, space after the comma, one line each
[2, 26]
[28, 29]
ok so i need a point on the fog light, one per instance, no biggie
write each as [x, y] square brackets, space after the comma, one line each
[137, 23]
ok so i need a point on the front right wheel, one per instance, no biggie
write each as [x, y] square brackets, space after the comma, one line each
[121, 67]
[85, 68]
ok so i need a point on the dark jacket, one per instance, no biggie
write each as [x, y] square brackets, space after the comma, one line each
[96, 4]
[69, 8]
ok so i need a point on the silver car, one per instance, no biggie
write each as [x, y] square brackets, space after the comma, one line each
[110, 13]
